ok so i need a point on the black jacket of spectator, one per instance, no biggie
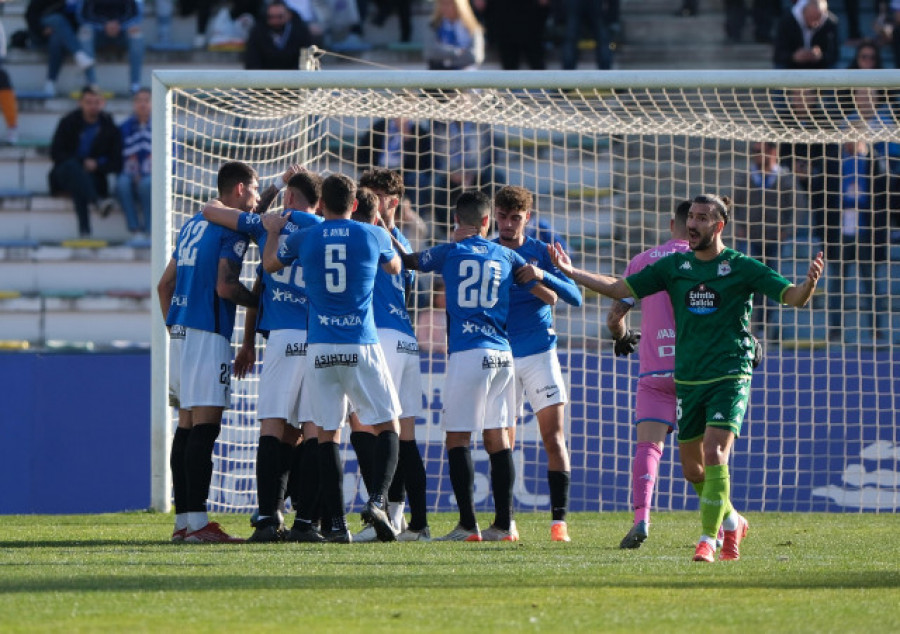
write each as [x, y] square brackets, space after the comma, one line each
[106, 148]
[789, 38]
[103, 11]
[37, 9]
[415, 153]
[263, 53]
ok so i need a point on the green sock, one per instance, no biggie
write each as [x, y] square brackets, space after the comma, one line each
[714, 499]
[698, 488]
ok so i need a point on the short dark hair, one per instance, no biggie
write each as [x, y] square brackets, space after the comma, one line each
[338, 193]
[383, 180]
[514, 198]
[88, 90]
[473, 207]
[366, 205]
[721, 203]
[309, 184]
[681, 213]
[234, 173]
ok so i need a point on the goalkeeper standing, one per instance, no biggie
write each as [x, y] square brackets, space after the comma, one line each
[654, 409]
[711, 288]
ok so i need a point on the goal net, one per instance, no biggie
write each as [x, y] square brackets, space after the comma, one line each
[812, 161]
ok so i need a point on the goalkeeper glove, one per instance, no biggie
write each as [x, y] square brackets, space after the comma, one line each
[627, 343]
[757, 352]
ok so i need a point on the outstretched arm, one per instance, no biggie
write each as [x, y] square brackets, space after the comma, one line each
[604, 284]
[798, 295]
[217, 213]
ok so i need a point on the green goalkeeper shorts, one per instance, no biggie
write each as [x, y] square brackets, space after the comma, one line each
[719, 404]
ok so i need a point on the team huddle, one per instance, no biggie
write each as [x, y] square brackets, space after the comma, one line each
[331, 299]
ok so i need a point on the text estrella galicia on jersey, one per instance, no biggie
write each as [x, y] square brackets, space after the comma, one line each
[240, 247]
[724, 268]
[702, 300]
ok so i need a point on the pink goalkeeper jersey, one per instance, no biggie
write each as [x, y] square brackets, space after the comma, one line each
[657, 347]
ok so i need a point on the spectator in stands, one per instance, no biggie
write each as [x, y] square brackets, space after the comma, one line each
[53, 25]
[517, 28]
[312, 16]
[454, 39]
[807, 37]
[769, 208]
[403, 9]
[86, 148]
[764, 13]
[275, 44]
[465, 156]
[399, 144]
[806, 109]
[134, 183]
[866, 57]
[856, 236]
[8, 104]
[601, 18]
[203, 9]
[116, 24]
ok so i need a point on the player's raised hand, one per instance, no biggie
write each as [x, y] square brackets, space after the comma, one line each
[294, 168]
[560, 258]
[273, 223]
[816, 268]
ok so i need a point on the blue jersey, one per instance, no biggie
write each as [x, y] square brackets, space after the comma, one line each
[530, 325]
[195, 304]
[478, 276]
[389, 303]
[340, 259]
[282, 298]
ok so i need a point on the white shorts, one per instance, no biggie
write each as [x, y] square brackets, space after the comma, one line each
[176, 344]
[479, 390]
[281, 382]
[205, 370]
[539, 377]
[401, 352]
[358, 372]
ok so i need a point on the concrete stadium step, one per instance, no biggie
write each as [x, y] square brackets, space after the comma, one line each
[97, 275]
[53, 219]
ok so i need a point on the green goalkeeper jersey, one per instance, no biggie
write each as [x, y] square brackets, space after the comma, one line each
[712, 302]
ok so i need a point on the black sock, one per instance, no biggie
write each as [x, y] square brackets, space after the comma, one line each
[331, 480]
[397, 490]
[305, 478]
[198, 465]
[364, 445]
[559, 494]
[387, 449]
[462, 477]
[413, 470]
[285, 453]
[177, 466]
[503, 475]
[267, 475]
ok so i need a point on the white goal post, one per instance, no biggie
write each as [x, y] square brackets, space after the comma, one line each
[608, 155]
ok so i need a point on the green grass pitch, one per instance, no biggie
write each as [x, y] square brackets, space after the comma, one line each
[118, 573]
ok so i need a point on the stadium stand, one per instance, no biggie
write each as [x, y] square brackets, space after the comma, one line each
[100, 291]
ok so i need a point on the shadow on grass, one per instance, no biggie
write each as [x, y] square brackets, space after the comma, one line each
[426, 579]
